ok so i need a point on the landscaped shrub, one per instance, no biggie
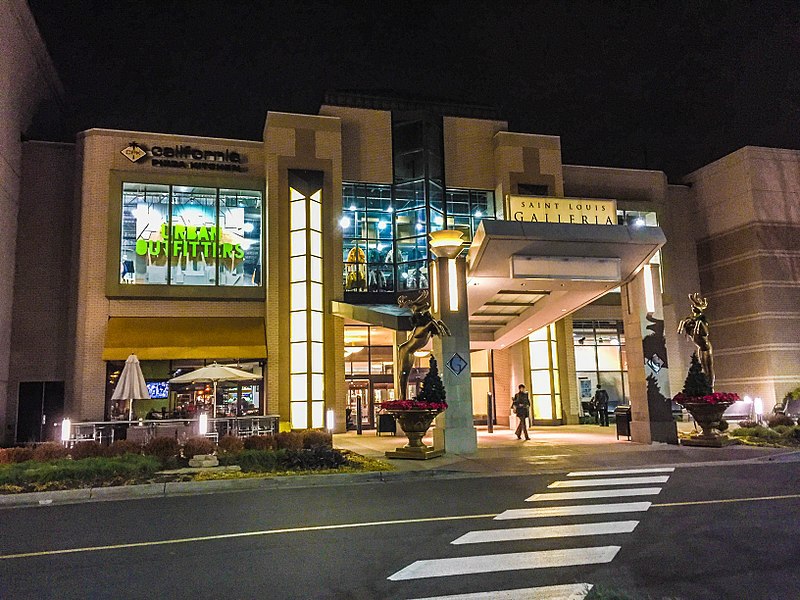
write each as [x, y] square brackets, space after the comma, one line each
[88, 449]
[197, 445]
[748, 424]
[49, 451]
[120, 447]
[314, 437]
[89, 472]
[230, 444]
[15, 455]
[163, 448]
[795, 434]
[260, 461]
[318, 457]
[756, 432]
[784, 430]
[289, 440]
[259, 442]
[774, 420]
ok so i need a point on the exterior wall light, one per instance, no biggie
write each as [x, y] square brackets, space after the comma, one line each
[446, 243]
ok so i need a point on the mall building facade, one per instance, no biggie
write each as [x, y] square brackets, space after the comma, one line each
[287, 256]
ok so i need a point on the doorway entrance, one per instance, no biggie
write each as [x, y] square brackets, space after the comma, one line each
[369, 392]
[40, 409]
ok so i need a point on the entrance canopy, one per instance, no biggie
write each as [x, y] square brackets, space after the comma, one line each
[522, 276]
[166, 338]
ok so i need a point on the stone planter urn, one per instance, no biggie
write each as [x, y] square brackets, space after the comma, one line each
[707, 416]
[415, 423]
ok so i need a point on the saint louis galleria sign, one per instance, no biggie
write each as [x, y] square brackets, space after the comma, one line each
[546, 209]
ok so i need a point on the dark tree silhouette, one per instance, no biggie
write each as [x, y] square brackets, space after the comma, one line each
[432, 386]
[696, 384]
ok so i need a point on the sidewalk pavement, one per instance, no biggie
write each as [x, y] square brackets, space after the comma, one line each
[550, 450]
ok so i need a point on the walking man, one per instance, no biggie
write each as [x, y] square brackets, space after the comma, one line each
[601, 405]
[521, 405]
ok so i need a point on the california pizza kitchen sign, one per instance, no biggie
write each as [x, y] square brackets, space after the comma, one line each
[546, 209]
[184, 156]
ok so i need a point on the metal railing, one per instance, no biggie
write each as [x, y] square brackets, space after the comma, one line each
[143, 430]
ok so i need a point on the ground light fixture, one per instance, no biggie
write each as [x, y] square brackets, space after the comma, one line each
[203, 424]
[66, 427]
[329, 420]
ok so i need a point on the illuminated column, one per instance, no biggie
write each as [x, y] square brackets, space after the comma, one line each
[307, 365]
[651, 407]
[454, 429]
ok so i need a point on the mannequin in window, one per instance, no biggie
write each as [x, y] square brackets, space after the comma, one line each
[356, 270]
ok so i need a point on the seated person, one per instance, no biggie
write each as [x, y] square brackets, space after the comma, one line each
[152, 414]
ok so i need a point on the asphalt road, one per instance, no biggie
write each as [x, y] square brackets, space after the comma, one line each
[711, 532]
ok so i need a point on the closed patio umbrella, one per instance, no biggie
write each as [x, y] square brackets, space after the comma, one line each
[131, 385]
[214, 373]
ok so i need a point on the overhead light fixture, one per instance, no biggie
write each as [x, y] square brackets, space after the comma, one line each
[422, 353]
[639, 222]
[344, 222]
[352, 207]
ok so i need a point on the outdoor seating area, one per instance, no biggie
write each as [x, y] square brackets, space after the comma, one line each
[144, 430]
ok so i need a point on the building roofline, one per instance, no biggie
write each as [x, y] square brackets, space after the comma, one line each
[104, 131]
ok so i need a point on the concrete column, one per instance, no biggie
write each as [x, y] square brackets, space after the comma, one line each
[651, 407]
[454, 429]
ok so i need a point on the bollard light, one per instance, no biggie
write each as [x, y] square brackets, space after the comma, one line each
[66, 428]
[329, 420]
[203, 423]
[758, 408]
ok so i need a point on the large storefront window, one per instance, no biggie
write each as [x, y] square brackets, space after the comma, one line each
[193, 236]
[369, 370]
[367, 230]
[600, 358]
[545, 388]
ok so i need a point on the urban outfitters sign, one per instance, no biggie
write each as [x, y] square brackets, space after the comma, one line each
[545, 209]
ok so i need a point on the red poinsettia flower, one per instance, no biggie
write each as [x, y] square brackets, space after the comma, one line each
[715, 398]
[413, 405]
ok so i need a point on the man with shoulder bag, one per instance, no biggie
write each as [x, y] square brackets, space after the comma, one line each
[521, 405]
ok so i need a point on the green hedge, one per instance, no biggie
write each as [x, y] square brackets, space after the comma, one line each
[89, 472]
[267, 461]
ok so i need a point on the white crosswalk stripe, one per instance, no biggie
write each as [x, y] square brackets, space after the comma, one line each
[572, 591]
[568, 511]
[589, 494]
[621, 472]
[514, 561]
[609, 481]
[550, 531]
[540, 559]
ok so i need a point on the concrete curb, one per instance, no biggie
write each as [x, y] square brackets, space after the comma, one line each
[183, 488]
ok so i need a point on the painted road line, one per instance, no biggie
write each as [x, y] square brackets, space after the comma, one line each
[243, 534]
[729, 500]
[539, 533]
[568, 511]
[515, 561]
[572, 591]
[609, 481]
[588, 494]
[621, 472]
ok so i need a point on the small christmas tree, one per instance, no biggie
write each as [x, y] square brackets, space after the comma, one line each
[696, 384]
[432, 386]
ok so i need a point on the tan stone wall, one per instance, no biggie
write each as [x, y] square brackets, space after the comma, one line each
[366, 143]
[100, 151]
[29, 89]
[529, 159]
[468, 152]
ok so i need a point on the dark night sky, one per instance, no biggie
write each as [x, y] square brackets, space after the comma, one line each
[666, 85]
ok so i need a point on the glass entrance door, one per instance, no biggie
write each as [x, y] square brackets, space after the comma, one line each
[358, 393]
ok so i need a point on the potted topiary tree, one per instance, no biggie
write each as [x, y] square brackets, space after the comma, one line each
[415, 416]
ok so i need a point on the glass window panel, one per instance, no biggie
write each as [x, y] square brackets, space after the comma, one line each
[585, 359]
[316, 243]
[298, 296]
[540, 382]
[317, 386]
[409, 223]
[457, 202]
[539, 356]
[413, 276]
[299, 387]
[437, 220]
[316, 326]
[299, 357]
[194, 241]
[379, 197]
[557, 403]
[411, 249]
[480, 361]
[298, 215]
[542, 407]
[317, 357]
[297, 243]
[608, 358]
[318, 414]
[539, 334]
[380, 357]
[612, 383]
[316, 269]
[556, 383]
[299, 415]
[145, 223]
[298, 268]
[298, 327]
[316, 296]
[554, 355]
[357, 200]
[315, 214]
[356, 335]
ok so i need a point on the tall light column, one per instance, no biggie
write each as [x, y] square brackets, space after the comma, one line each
[454, 431]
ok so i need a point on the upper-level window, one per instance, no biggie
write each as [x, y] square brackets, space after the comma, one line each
[190, 236]
[467, 208]
[367, 222]
[637, 218]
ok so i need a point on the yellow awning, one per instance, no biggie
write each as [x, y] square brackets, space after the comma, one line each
[164, 338]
